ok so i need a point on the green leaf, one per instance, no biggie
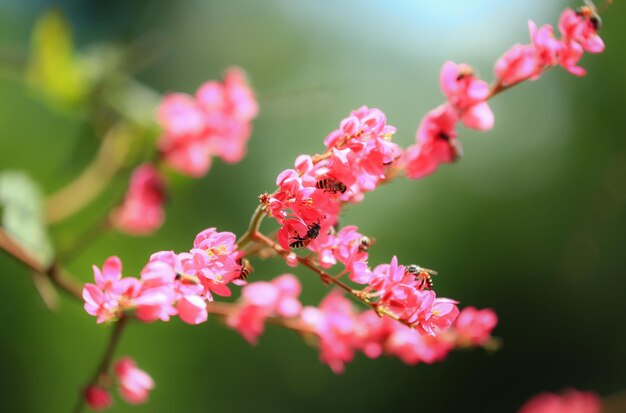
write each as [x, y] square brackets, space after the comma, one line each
[22, 215]
[53, 67]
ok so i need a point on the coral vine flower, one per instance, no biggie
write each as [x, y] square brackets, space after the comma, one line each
[572, 401]
[141, 213]
[474, 327]
[97, 398]
[519, 63]
[334, 324]
[359, 154]
[467, 95]
[134, 383]
[261, 300]
[582, 27]
[217, 121]
[436, 143]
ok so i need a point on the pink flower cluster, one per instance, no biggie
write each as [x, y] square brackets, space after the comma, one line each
[467, 96]
[357, 156]
[216, 121]
[579, 31]
[169, 284]
[141, 213]
[134, 386]
[262, 300]
[405, 296]
[571, 401]
[341, 331]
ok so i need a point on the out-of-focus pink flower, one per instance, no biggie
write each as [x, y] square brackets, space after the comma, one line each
[141, 213]
[474, 327]
[134, 383]
[547, 47]
[570, 55]
[97, 398]
[519, 63]
[412, 347]
[436, 143]
[217, 121]
[263, 299]
[582, 27]
[192, 309]
[467, 95]
[571, 401]
[334, 323]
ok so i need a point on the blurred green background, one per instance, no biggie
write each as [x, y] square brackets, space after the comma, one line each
[531, 222]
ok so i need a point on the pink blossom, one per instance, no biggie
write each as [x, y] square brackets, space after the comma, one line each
[570, 55]
[547, 47]
[334, 323]
[135, 384]
[263, 299]
[97, 398]
[582, 27]
[103, 299]
[192, 309]
[436, 143]
[217, 122]
[571, 401]
[474, 326]
[519, 63]
[141, 213]
[467, 95]
[412, 347]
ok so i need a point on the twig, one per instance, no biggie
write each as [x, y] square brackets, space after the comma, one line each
[60, 277]
[102, 376]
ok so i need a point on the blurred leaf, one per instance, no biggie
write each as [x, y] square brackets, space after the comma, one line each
[22, 216]
[54, 68]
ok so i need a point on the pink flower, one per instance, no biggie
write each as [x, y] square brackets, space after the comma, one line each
[111, 293]
[570, 55]
[547, 47]
[582, 27]
[135, 384]
[192, 309]
[263, 299]
[141, 213]
[572, 401]
[473, 327]
[97, 398]
[436, 143]
[467, 95]
[334, 323]
[217, 122]
[519, 63]
[412, 347]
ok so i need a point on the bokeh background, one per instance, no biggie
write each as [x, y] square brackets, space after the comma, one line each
[531, 222]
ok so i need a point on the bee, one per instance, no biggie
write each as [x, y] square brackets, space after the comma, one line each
[365, 243]
[589, 11]
[246, 268]
[331, 185]
[312, 233]
[187, 279]
[422, 274]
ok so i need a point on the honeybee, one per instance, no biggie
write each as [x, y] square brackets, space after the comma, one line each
[589, 11]
[187, 279]
[311, 234]
[246, 268]
[422, 274]
[365, 243]
[331, 185]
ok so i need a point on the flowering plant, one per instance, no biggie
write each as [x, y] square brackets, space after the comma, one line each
[383, 308]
